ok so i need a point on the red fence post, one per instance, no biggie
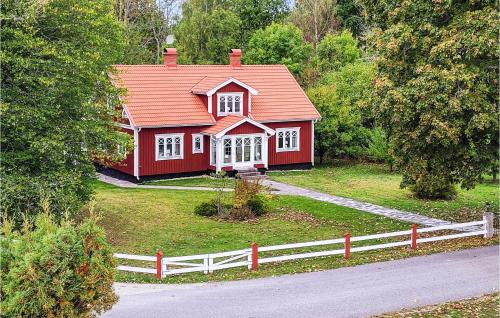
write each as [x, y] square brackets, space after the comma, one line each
[159, 258]
[413, 236]
[347, 245]
[255, 257]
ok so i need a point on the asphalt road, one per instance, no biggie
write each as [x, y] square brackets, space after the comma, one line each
[358, 291]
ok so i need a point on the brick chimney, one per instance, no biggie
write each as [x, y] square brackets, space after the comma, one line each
[235, 58]
[170, 57]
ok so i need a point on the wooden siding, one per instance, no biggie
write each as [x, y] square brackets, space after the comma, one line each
[291, 157]
[148, 165]
[245, 128]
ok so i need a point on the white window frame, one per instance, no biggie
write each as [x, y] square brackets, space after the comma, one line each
[173, 136]
[252, 149]
[213, 151]
[284, 131]
[124, 113]
[194, 136]
[225, 113]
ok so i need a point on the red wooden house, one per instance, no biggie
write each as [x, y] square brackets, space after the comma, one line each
[197, 118]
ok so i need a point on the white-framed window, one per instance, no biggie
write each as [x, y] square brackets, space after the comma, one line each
[228, 150]
[124, 113]
[287, 139]
[170, 146]
[213, 150]
[197, 143]
[257, 143]
[230, 104]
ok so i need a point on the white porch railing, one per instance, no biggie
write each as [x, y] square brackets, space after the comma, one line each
[208, 263]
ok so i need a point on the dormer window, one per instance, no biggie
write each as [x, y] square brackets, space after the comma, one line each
[124, 113]
[230, 104]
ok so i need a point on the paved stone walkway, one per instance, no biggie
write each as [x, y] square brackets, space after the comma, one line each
[287, 189]
[127, 184]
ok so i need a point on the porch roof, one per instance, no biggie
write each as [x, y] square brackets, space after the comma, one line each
[230, 122]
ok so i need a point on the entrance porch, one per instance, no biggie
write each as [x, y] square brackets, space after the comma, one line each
[235, 149]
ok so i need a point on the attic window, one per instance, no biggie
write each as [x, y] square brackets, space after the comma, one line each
[124, 114]
[230, 104]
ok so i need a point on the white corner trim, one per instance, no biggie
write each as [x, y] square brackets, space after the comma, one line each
[312, 142]
[268, 130]
[284, 129]
[233, 80]
[136, 152]
[193, 138]
[209, 100]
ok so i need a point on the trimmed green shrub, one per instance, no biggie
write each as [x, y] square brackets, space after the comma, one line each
[206, 209]
[257, 205]
[54, 270]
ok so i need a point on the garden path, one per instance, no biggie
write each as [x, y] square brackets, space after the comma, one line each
[287, 189]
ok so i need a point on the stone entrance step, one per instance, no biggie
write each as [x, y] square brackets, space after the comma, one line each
[250, 174]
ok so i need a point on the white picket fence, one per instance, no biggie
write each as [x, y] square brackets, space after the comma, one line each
[250, 257]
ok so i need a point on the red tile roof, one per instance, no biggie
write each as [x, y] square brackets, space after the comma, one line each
[207, 83]
[222, 124]
[161, 96]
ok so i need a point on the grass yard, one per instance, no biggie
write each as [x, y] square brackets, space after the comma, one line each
[203, 181]
[142, 221]
[375, 184]
[145, 220]
[487, 306]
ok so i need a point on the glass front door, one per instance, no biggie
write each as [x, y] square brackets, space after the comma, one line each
[243, 150]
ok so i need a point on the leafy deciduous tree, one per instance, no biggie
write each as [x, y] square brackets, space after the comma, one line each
[258, 14]
[206, 36]
[436, 91]
[337, 50]
[315, 18]
[53, 103]
[278, 44]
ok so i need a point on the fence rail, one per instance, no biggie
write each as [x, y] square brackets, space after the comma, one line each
[208, 263]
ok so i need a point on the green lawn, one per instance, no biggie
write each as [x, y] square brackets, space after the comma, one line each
[145, 220]
[204, 181]
[487, 306]
[142, 221]
[375, 184]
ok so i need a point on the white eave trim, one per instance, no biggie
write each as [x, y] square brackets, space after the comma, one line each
[125, 126]
[252, 90]
[183, 125]
[268, 130]
[289, 120]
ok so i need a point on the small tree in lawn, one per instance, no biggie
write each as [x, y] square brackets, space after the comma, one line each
[220, 191]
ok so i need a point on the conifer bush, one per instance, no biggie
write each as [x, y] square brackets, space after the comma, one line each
[55, 270]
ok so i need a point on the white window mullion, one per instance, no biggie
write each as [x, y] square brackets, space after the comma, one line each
[226, 103]
[285, 139]
[174, 142]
